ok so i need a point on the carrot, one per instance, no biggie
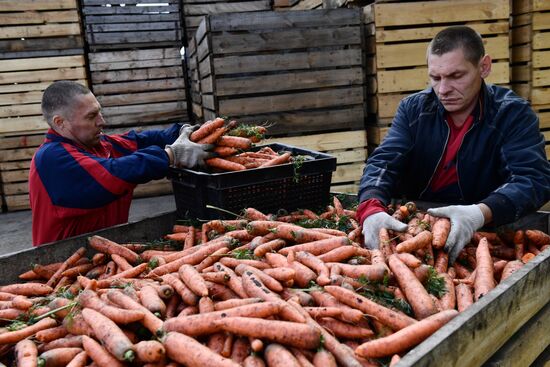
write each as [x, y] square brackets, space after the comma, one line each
[235, 142]
[21, 302]
[277, 355]
[241, 349]
[104, 245]
[227, 345]
[151, 300]
[225, 151]
[89, 299]
[283, 158]
[316, 264]
[413, 289]
[448, 300]
[419, 241]
[317, 312]
[270, 246]
[484, 279]
[464, 296]
[300, 355]
[316, 247]
[98, 354]
[79, 360]
[253, 361]
[224, 164]
[231, 303]
[216, 342]
[440, 232]
[281, 274]
[213, 136]
[406, 338]
[66, 342]
[207, 128]
[299, 234]
[285, 332]
[27, 289]
[150, 351]
[538, 238]
[344, 330]
[391, 318]
[347, 314]
[150, 321]
[441, 261]
[114, 340]
[26, 353]
[510, 268]
[528, 256]
[203, 324]
[193, 280]
[47, 335]
[323, 358]
[254, 214]
[189, 352]
[12, 337]
[233, 282]
[65, 265]
[76, 325]
[303, 274]
[409, 259]
[58, 357]
[219, 292]
[29, 275]
[269, 281]
[519, 244]
[46, 271]
[372, 272]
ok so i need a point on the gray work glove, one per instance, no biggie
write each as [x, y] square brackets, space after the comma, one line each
[374, 222]
[188, 154]
[465, 220]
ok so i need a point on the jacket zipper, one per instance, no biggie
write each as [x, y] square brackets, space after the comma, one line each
[457, 156]
[439, 160]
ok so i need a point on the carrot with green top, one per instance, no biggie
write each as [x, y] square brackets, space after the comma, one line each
[12, 337]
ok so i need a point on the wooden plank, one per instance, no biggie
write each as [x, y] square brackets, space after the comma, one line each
[207, 85]
[15, 188]
[43, 75]
[20, 110]
[17, 175]
[541, 78]
[350, 156]
[289, 81]
[428, 12]
[276, 20]
[158, 10]
[145, 109]
[540, 5]
[132, 27]
[427, 33]
[217, 8]
[208, 101]
[541, 59]
[133, 18]
[521, 35]
[126, 2]
[205, 68]
[285, 40]
[520, 53]
[134, 55]
[376, 134]
[417, 79]
[520, 73]
[541, 21]
[13, 99]
[388, 103]
[145, 37]
[287, 61]
[17, 165]
[33, 17]
[8, 125]
[137, 74]
[41, 63]
[307, 5]
[138, 86]
[42, 44]
[541, 40]
[291, 101]
[544, 120]
[351, 188]
[17, 202]
[146, 97]
[26, 5]
[328, 141]
[392, 55]
[21, 141]
[348, 172]
[35, 31]
[122, 65]
[9, 155]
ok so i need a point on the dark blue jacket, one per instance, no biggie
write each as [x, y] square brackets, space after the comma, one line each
[501, 161]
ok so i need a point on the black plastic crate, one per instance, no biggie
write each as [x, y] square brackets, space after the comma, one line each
[287, 186]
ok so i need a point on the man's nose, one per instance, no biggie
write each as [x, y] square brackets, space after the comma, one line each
[444, 86]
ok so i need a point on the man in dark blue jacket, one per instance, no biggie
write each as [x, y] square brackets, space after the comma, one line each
[460, 142]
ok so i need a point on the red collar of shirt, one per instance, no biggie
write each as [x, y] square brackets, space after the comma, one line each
[101, 150]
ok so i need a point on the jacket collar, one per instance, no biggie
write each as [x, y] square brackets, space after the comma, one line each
[101, 150]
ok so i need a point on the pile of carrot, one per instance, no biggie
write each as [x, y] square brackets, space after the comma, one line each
[286, 290]
[232, 143]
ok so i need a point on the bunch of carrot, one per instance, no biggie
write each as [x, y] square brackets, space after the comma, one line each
[232, 142]
[286, 290]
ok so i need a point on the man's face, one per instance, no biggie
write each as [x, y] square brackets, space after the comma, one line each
[456, 81]
[84, 122]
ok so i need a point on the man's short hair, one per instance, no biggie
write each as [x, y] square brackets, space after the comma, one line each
[455, 37]
[58, 97]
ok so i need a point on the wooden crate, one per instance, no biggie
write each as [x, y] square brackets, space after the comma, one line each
[139, 87]
[285, 5]
[39, 29]
[349, 148]
[129, 24]
[195, 10]
[298, 71]
[397, 38]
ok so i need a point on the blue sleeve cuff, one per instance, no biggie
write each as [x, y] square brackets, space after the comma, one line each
[503, 209]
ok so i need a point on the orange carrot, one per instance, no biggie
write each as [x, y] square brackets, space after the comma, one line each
[316, 247]
[277, 355]
[241, 349]
[269, 246]
[104, 245]
[253, 361]
[235, 142]
[344, 330]
[47, 335]
[269, 281]
[440, 232]
[213, 136]
[66, 342]
[27, 289]
[391, 318]
[46, 271]
[317, 312]
[372, 272]
[413, 289]
[150, 321]
[151, 300]
[422, 240]
[299, 234]
[65, 265]
[484, 279]
[538, 238]
[284, 275]
[323, 358]
[189, 352]
[254, 214]
[193, 280]
[303, 274]
[406, 338]
[410, 260]
[224, 164]
[347, 314]
[114, 340]
[225, 151]
[98, 354]
[231, 303]
[58, 357]
[207, 128]
[26, 353]
[283, 158]
[150, 351]
[448, 300]
[79, 360]
[11, 337]
[510, 268]
[464, 296]
[528, 256]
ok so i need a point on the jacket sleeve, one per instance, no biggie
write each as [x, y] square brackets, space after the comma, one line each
[525, 165]
[385, 165]
[77, 179]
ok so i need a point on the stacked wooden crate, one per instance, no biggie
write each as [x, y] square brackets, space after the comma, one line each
[531, 58]
[40, 42]
[397, 38]
[298, 72]
[284, 5]
[195, 10]
[136, 68]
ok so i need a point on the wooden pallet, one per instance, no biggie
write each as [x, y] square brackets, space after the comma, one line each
[129, 24]
[298, 71]
[139, 87]
[195, 10]
[39, 29]
[349, 148]
[397, 38]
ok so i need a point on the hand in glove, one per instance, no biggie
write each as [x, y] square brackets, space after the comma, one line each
[188, 154]
[465, 220]
[374, 222]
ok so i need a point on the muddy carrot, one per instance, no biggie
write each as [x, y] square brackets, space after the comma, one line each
[26, 353]
[464, 296]
[66, 342]
[231, 303]
[269, 281]
[47, 335]
[224, 164]
[484, 279]
[193, 280]
[537, 237]
[344, 330]
[440, 232]
[58, 357]
[510, 268]
[12, 337]
[27, 289]
[323, 358]
[104, 245]
[98, 354]
[79, 360]
[151, 300]
[150, 351]
[150, 321]
[189, 352]
[253, 361]
[278, 355]
[348, 314]
[316, 264]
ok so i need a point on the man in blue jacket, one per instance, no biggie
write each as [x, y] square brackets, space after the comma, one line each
[82, 180]
[460, 142]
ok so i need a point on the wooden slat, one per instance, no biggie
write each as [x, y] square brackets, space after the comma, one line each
[350, 188]
[25, 5]
[133, 18]
[138, 86]
[541, 78]
[41, 63]
[217, 8]
[541, 21]
[348, 172]
[20, 110]
[133, 55]
[139, 98]
[16, 176]
[387, 103]
[13, 99]
[17, 202]
[541, 40]
[137, 74]
[20, 46]
[350, 156]
[17, 165]
[521, 53]
[326, 142]
[33, 17]
[21, 141]
[43, 75]
[291, 101]
[35, 31]
[118, 38]
[122, 65]
[8, 125]
[157, 10]
[15, 188]
[541, 59]
[288, 81]
[544, 120]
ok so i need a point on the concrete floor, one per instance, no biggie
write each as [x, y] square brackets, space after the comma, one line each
[15, 227]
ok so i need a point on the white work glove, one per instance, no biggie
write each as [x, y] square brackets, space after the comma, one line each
[188, 154]
[374, 222]
[465, 220]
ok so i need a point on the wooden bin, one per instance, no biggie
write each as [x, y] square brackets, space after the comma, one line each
[530, 48]
[128, 24]
[299, 72]
[397, 38]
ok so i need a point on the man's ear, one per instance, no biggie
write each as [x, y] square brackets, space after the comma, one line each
[57, 121]
[485, 66]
